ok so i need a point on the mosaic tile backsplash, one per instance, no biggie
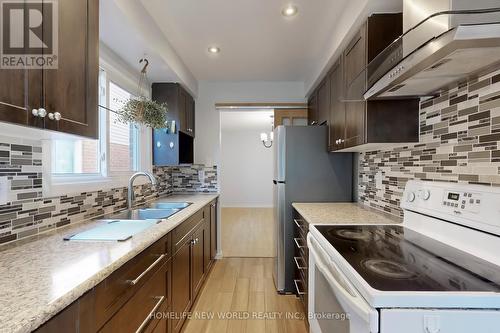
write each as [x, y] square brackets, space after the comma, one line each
[25, 212]
[194, 178]
[459, 142]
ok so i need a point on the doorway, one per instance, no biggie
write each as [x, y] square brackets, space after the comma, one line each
[246, 183]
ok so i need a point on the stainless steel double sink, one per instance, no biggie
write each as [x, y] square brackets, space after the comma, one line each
[155, 211]
[123, 225]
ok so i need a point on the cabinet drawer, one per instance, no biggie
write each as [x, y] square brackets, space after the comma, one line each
[137, 315]
[116, 289]
[184, 230]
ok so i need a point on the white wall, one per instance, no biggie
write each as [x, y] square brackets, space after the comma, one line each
[246, 169]
[207, 141]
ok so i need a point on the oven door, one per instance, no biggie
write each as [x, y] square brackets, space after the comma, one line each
[334, 304]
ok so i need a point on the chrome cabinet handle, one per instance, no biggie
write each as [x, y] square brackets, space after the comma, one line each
[150, 314]
[55, 116]
[297, 243]
[297, 263]
[137, 279]
[297, 287]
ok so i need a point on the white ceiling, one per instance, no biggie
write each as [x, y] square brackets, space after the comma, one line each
[257, 43]
[116, 31]
[237, 120]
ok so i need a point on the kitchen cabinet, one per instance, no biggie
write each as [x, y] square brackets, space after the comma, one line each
[138, 314]
[198, 257]
[324, 102]
[174, 146]
[301, 258]
[164, 278]
[356, 124]
[181, 284]
[337, 126]
[62, 99]
[312, 109]
[213, 231]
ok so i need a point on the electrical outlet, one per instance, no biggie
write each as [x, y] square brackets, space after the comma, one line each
[201, 175]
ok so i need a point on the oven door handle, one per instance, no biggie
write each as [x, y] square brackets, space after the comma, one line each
[349, 298]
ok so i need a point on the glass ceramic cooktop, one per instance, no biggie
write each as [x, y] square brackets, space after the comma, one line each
[394, 258]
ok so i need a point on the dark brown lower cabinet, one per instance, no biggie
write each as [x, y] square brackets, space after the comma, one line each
[142, 295]
[181, 284]
[198, 258]
[213, 231]
[301, 258]
[144, 311]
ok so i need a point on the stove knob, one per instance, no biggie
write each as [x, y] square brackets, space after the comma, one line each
[426, 195]
[410, 197]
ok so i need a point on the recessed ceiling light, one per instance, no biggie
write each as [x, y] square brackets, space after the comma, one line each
[290, 11]
[213, 49]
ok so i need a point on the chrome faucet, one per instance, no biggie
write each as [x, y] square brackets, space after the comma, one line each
[131, 194]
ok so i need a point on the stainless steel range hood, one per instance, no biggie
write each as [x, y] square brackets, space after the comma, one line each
[469, 47]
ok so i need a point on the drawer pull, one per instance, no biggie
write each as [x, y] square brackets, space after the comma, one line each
[137, 279]
[297, 263]
[297, 287]
[298, 244]
[298, 224]
[150, 314]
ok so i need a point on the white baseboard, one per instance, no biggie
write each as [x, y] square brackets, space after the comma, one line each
[219, 255]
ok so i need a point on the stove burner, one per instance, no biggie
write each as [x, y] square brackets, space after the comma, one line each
[354, 234]
[389, 269]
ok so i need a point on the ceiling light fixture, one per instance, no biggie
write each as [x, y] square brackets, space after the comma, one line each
[290, 11]
[213, 49]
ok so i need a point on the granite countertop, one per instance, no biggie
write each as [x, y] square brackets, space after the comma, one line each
[41, 277]
[342, 213]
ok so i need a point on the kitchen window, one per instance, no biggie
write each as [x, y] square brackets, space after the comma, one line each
[112, 158]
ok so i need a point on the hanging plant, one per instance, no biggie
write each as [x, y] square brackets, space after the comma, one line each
[142, 110]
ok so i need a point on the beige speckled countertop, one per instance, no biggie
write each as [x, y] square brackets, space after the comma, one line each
[342, 213]
[41, 277]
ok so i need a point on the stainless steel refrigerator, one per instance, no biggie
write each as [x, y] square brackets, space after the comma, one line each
[304, 171]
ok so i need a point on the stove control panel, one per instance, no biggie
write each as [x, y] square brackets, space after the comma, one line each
[462, 201]
[476, 206]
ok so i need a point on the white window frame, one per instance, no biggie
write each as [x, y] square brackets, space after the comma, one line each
[58, 184]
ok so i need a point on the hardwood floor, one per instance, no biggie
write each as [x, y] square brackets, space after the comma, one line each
[244, 287]
[247, 232]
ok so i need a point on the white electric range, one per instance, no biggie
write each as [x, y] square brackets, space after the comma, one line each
[438, 272]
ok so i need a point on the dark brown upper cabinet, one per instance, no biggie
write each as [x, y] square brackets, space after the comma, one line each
[68, 94]
[312, 109]
[337, 126]
[174, 147]
[356, 124]
[324, 102]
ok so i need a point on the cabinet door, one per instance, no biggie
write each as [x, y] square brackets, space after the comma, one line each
[181, 284]
[355, 115]
[182, 109]
[213, 230]
[337, 108]
[190, 115]
[355, 60]
[72, 89]
[324, 101]
[207, 260]
[312, 109]
[198, 266]
[355, 57]
[137, 315]
[20, 92]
